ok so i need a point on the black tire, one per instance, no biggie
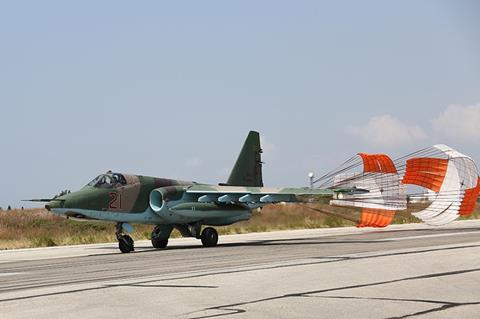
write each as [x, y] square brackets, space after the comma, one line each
[209, 237]
[157, 240]
[159, 243]
[126, 244]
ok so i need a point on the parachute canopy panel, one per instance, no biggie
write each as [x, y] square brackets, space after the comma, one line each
[377, 163]
[371, 217]
[426, 172]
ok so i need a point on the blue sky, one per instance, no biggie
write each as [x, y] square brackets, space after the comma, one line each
[172, 89]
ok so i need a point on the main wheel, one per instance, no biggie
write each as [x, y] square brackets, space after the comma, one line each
[209, 237]
[159, 236]
[159, 243]
[126, 244]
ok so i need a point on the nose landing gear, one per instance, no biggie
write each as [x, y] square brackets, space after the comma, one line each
[125, 242]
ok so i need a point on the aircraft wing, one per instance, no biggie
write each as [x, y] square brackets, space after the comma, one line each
[240, 194]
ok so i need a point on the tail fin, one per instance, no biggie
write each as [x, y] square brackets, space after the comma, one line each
[248, 167]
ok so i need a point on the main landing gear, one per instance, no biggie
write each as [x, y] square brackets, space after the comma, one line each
[208, 235]
[160, 235]
[125, 242]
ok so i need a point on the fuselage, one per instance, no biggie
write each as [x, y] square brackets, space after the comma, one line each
[127, 198]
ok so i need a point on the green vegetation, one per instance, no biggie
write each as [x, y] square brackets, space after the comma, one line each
[40, 228]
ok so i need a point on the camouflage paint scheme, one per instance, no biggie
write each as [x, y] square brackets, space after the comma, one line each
[157, 201]
[184, 205]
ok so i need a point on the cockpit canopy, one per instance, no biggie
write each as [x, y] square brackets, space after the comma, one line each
[108, 180]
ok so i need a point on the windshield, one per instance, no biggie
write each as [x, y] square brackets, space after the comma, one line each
[110, 180]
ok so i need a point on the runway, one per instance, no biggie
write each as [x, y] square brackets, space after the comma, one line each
[404, 271]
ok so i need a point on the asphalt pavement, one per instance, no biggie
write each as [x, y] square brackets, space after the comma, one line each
[403, 271]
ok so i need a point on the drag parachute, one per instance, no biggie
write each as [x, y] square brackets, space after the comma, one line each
[380, 186]
[453, 177]
[378, 190]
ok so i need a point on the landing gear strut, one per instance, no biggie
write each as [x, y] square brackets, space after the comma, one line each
[125, 242]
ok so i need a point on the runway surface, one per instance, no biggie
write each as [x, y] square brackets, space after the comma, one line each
[404, 271]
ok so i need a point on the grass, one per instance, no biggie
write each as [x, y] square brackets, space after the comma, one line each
[40, 228]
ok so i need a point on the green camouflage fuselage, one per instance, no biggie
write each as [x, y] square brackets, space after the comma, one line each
[130, 203]
[150, 200]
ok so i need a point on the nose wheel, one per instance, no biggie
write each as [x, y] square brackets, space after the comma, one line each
[125, 242]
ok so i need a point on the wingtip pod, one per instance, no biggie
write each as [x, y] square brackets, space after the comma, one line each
[452, 177]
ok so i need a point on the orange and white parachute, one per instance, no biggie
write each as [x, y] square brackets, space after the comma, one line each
[379, 185]
[385, 193]
[453, 177]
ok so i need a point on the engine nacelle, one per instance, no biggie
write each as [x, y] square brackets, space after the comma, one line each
[160, 196]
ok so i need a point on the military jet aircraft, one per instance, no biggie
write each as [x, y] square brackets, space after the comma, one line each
[184, 205]
[373, 184]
